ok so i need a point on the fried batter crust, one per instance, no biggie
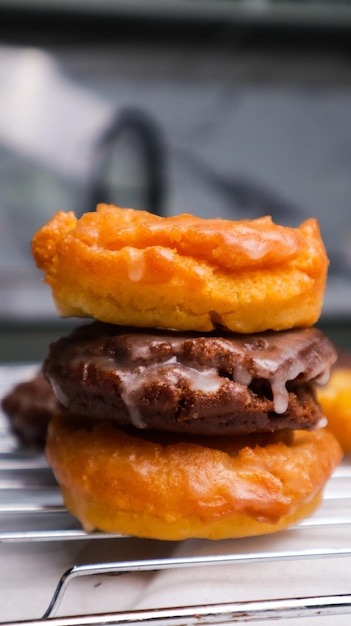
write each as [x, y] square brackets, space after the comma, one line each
[171, 487]
[130, 267]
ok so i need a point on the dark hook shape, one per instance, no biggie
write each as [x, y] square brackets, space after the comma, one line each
[152, 151]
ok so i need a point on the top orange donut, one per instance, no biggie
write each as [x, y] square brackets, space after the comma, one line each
[134, 268]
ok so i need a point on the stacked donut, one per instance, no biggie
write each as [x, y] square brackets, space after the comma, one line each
[335, 400]
[190, 400]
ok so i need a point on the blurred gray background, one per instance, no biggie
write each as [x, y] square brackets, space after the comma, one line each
[231, 109]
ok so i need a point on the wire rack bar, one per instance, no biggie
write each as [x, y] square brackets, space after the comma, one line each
[237, 612]
[147, 565]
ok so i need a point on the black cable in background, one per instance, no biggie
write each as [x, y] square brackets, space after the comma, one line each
[152, 152]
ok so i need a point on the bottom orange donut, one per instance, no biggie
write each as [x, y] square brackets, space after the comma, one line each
[166, 487]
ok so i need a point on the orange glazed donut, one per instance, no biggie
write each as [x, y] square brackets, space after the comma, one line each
[134, 268]
[335, 401]
[167, 487]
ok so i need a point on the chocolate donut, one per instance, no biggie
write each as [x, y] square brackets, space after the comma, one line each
[29, 406]
[194, 383]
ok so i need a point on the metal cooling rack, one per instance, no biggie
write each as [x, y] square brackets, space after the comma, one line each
[31, 511]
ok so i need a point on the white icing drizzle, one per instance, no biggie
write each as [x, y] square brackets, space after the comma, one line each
[129, 380]
[59, 393]
[323, 423]
[136, 265]
[242, 375]
[323, 377]
[278, 366]
[207, 381]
